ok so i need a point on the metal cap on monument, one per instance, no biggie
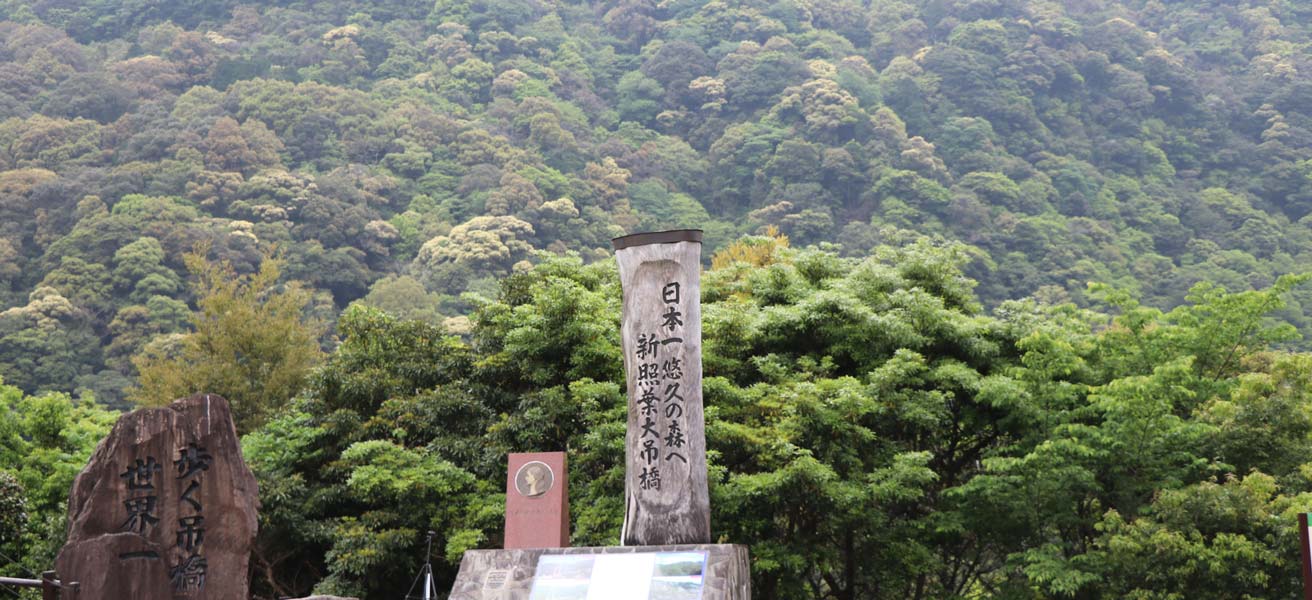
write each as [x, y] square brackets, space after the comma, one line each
[665, 489]
[657, 237]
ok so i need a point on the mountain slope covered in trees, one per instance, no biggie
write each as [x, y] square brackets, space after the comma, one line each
[382, 229]
[403, 153]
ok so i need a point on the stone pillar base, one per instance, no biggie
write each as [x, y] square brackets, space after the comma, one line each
[568, 572]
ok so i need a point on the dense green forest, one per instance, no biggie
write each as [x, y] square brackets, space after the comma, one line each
[873, 433]
[405, 153]
[1013, 316]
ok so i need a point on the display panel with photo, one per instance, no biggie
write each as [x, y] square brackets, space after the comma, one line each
[636, 576]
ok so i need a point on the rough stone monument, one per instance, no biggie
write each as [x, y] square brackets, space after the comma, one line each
[165, 509]
[537, 501]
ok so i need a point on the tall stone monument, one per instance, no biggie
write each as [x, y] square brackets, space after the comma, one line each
[666, 551]
[166, 508]
[665, 492]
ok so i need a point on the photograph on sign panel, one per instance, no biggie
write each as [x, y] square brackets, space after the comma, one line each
[678, 576]
[561, 577]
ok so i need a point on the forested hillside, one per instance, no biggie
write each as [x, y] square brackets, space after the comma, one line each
[404, 153]
[1001, 300]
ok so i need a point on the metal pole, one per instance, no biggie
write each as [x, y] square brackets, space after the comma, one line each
[428, 567]
[14, 581]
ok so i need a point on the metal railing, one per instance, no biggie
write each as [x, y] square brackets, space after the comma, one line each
[51, 588]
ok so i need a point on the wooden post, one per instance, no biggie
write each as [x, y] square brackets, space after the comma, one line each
[69, 591]
[665, 491]
[1306, 550]
[49, 590]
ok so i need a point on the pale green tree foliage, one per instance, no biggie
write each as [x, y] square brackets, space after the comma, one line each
[480, 246]
[252, 343]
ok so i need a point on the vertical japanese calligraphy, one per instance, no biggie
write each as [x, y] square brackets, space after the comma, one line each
[189, 574]
[659, 358]
[142, 516]
[667, 500]
[140, 505]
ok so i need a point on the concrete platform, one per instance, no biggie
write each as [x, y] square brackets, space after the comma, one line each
[510, 574]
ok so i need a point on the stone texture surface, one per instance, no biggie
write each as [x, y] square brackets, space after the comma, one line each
[508, 574]
[178, 524]
[665, 487]
[537, 517]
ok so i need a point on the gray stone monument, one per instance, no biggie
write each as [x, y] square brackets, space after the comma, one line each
[666, 552]
[666, 499]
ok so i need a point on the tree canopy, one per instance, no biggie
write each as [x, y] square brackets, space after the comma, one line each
[873, 432]
[1145, 145]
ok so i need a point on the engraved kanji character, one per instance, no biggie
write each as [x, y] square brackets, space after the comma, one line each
[191, 459]
[673, 318]
[650, 479]
[140, 554]
[670, 293]
[648, 345]
[648, 372]
[139, 476]
[649, 451]
[649, 427]
[191, 489]
[673, 368]
[191, 534]
[140, 514]
[189, 575]
[674, 437]
[647, 402]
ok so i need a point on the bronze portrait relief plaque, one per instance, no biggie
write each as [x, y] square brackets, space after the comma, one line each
[534, 479]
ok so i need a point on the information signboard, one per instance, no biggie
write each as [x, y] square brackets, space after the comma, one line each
[635, 576]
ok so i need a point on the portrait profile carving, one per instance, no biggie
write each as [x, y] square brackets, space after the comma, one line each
[534, 479]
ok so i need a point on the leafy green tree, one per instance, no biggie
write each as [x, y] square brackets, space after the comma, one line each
[1149, 146]
[480, 246]
[14, 522]
[392, 408]
[872, 432]
[139, 270]
[47, 343]
[252, 343]
[45, 441]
